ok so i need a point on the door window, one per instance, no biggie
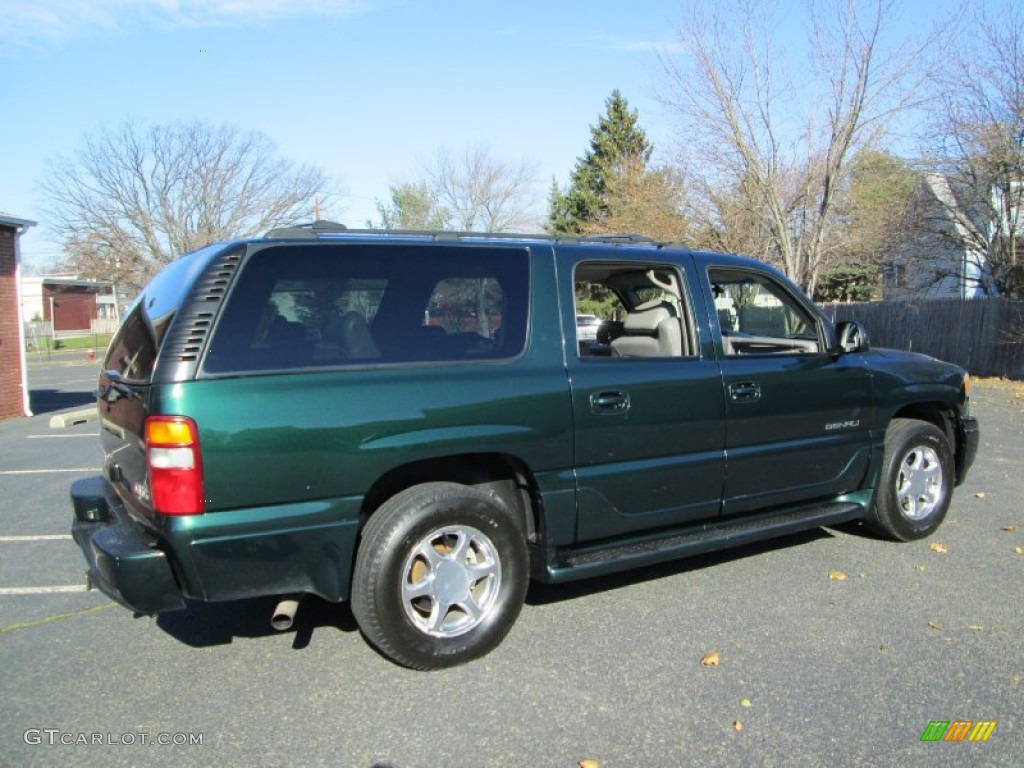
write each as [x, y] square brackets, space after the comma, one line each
[632, 311]
[757, 315]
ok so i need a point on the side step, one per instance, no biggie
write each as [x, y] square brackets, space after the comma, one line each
[594, 560]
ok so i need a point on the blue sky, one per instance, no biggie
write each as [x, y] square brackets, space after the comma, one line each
[366, 89]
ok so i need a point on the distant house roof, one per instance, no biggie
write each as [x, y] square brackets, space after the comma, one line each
[74, 282]
[13, 221]
[954, 199]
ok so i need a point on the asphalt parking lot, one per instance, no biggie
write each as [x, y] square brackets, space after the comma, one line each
[812, 670]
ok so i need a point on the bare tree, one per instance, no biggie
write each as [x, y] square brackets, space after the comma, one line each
[777, 133]
[412, 206]
[134, 198]
[976, 149]
[480, 192]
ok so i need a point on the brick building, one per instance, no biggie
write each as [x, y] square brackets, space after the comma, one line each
[13, 374]
[69, 304]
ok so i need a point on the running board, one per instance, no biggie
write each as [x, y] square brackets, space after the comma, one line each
[586, 561]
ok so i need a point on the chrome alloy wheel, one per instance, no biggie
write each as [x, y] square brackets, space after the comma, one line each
[919, 483]
[450, 581]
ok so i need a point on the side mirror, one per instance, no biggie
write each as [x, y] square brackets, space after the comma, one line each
[852, 337]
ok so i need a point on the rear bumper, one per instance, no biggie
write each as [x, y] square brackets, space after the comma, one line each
[303, 548]
[123, 560]
[969, 439]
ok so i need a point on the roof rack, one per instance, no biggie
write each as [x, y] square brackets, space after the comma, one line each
[321, 227]
[628, 238]
[309, 229]
[443, 234]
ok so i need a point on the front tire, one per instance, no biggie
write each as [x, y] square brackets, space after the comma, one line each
[917, 481]
[440, 576]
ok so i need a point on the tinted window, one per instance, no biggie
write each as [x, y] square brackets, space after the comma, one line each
[327, 305]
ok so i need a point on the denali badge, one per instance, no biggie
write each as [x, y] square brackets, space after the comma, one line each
[842, 425]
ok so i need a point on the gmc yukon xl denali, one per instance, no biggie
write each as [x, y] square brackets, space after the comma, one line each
[409, 422]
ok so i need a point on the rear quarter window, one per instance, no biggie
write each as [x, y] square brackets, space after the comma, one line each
[133, 349]
[312, 306]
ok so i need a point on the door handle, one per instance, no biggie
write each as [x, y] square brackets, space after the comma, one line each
[745, 391]
[609, 402]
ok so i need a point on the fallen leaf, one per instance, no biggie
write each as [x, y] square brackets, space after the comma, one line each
[836, 576]
[589, 764]
[710, 660]
[938, 546]
[934, 625]
[979, 495]
[919, 568]
[745, 702]
[1019, 549]
[1009, 528]
[975, 627]
[737, 725]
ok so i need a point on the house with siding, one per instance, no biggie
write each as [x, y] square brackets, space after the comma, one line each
[934, 259]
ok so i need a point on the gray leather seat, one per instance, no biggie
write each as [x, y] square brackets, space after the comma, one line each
[651, 330]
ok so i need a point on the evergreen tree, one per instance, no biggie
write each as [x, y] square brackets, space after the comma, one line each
[871, 205]
[616, 143]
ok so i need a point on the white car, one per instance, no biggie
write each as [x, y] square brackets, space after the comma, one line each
[586, 327]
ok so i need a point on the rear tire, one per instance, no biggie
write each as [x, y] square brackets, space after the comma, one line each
[917, 481]
[440, 576]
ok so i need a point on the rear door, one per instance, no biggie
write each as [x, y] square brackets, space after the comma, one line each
[649, 434]
[797, 417]
[126, 382]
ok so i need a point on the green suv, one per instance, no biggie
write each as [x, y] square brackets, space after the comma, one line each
[409, 421]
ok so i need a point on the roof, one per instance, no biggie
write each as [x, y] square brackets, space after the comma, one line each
[328, 230]
[13, 221]
[332, 232]
[72, 282]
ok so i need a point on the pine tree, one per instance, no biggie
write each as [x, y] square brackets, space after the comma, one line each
[617, 142]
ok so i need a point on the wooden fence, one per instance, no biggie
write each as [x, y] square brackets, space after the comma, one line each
[985, 336]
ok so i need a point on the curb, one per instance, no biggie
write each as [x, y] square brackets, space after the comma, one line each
[63, 420]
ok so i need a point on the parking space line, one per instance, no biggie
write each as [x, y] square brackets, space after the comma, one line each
[40, 537]
[15, 591]
[56, 617]
[41, 471]
[61, 437]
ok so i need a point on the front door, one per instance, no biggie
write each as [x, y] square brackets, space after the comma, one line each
[797, 418]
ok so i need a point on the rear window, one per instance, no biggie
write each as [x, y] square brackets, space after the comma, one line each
[308, 306]
[132, 350]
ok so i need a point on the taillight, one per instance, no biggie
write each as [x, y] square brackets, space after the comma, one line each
[175, 470]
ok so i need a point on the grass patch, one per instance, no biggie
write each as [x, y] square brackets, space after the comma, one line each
[94, 341]
[97, 341]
